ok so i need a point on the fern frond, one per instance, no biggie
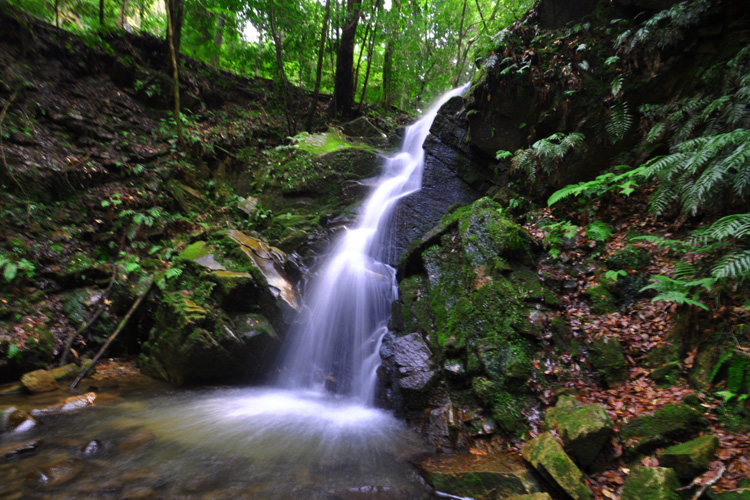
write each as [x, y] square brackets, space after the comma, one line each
[616, 85]
[620, 120]
[678, 298]
[735, 266]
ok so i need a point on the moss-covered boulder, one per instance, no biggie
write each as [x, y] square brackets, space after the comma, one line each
[530, 496]
[469, 288]
[583, 430]
[217, 320]
[548, 457]
[600, 299]
[477, 476]
[652, 483]
[607, 357]
[39, 381]
[671, 423]
[691, 458]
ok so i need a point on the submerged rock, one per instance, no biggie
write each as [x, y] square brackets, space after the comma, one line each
[652, 483]
[477, 475]
[548, 457]
[56, 474]
[18, 451]
[70, 404]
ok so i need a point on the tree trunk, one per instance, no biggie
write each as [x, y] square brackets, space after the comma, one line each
[361, 52]
[175, 9]
[369, 54]
[459, 63]
[280, 67]
[101, 13]
[319, 69]
[343, 86]
[121, 21]
[218, 38]
[57, 13]
[175, 68]
[391, 35]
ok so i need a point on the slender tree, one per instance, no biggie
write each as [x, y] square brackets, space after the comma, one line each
[280, 66]
[173, 51]
[319, 68]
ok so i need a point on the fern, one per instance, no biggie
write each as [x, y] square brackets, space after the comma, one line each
[609, 182]
[734, 265]
[620, 120]
[665, 28]
[546, 153]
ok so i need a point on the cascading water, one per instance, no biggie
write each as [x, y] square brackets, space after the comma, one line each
[337, 345]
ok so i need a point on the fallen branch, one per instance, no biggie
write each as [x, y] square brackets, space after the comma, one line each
[114, 335]
[101, 305]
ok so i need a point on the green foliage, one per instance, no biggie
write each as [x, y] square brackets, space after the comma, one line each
[556, 233]
[608, 183]
[665, 28]
[135, 220]
[680, 291]
[546, 153]
[11, 267]
[620, 121]
[598, 231]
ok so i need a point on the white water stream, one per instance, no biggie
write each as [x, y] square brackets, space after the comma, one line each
[336, 348]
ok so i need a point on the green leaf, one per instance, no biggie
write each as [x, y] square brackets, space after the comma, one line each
[10, 271]
[13, 351]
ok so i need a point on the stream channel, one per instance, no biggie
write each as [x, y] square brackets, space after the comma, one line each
[315, 435]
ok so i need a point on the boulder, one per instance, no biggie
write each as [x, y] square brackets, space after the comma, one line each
[39, 381]
[18, 451]
[547, 456]
[478, 475]
[361, 127]
[671, 423]
[652, 483]
[691, 458]
[413, 371]
[583, 430]
[70, 404]
[13, 419]
[530, 496]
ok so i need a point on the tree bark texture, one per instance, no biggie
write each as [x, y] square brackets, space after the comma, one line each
[343, 86]
[319, 68]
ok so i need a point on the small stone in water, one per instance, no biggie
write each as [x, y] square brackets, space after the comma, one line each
[56, 474]
[17, 452]
[92, 447]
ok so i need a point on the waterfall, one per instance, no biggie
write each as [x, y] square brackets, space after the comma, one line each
[336, 346]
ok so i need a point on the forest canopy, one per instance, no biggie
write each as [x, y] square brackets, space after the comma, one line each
[403, 52]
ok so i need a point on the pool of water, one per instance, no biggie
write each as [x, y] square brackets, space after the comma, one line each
[259, 443]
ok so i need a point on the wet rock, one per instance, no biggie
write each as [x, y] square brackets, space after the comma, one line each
[55, 475]
[270, 262]
[39, 381]
[477, 476]
[546, 454]
[93, 447]
[654, 483]
[136, 442]
[13, 419]
[583, 430]
[558, 13]
[69, 371]
[670, 424]
[691, 458]
[19, 451]
[412, 357]
[69, 404]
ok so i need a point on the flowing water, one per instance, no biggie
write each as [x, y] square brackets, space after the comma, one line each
[315, 436]
[336, 348]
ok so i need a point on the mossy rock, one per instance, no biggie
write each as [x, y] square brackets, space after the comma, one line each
[478, 476]
[628, 257]
[652, 483]
[584, 430]
[530, 496]
[600, 299]
[692, 458]
[547, 455]
[671, 423]
[607, 357]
